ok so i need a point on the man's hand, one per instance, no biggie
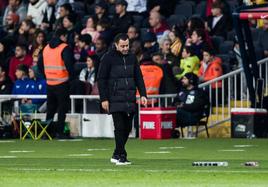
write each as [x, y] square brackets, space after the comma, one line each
[143, 100]
[105, 105]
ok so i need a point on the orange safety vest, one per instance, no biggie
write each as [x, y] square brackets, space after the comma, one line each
[152, 76]
[55, 70]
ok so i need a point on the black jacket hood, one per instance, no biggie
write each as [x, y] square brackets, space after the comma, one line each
[55, 42]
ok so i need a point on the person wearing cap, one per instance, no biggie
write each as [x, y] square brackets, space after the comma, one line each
[122, 20]
[119, 77]
[150, 43]
[101, 11]
[190, 101]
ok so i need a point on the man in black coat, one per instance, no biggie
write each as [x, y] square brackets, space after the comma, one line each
[119, 77]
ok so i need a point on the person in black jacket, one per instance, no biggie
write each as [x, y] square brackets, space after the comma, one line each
[190, 102]
[119, 77]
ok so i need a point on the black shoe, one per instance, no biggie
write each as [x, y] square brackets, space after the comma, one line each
[62, 136]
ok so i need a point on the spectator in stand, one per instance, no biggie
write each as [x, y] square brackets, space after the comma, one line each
[91, 29]
[69, 25]
[138, 7]
[211, 67]
[190, 101]
[5, 82]
[101, 47]
[136, 49]
[168, 85]
[49, 20]
[64, 10]
[85, 44]
[38, 45]
[158, 26]
[164, 7]
[3, 5]
[21, 57]
[217, 23]
[101, 11]
[195, 23]
[177, 39]
[11, 23]
[103, 27]
[36, 11]
[122, 20]
[25, 32]
[190, 63]
[6, 52]
[133, 34]
[19, 7]
[166, 52]
[197, 42]
[88, 75]
[150, 43]
[39, 86]
[263, 37]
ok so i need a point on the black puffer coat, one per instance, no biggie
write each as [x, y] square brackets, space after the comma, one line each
[119, 77]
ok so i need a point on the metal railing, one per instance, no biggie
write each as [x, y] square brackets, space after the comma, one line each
[233, 93]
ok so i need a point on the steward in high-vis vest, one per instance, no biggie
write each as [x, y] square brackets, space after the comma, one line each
[56, 63]
[152, 76]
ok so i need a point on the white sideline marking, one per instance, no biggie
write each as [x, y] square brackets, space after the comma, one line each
[157, 152]
[244, 146]
[21, 151]
[7, 141]
[150, 171]
[8, 157]
[171, 147]
[80, 155]
[100, 149]
[71, 140]
[231, 150]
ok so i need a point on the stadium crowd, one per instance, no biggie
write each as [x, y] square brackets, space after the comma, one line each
[171, 37]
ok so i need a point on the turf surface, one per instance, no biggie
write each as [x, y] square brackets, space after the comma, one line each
[155, 163]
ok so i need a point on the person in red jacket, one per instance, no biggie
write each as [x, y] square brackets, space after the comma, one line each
[21, 57]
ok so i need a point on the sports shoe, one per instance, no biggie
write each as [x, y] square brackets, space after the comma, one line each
[123, 161]
[114, 159]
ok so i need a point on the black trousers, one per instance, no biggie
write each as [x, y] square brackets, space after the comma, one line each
[122, 128]
[58, 101]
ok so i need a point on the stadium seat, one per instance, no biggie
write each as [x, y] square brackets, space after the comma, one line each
[202, 122]
[184, 9]
[200, 9]
[226, 46]
[30, 126]
[217, 41]
[137, 20]
[178, 20]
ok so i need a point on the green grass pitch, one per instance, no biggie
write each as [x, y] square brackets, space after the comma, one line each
[86, 162]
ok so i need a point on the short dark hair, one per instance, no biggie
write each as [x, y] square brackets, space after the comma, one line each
[68, 7]
[120, 36]
[208, 49]
[157, 54]
[22, 46]
[60, 32]
[189, 49]
[201, 33]
[85, 38]
[71, 17]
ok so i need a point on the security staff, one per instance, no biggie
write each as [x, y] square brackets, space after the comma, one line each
[118, 78]
[56, 63]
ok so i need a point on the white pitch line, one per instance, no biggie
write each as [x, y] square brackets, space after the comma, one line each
[77, 155]
[231, 150]
[7, 141]
[171, 147]
[8, 157]
[150, 171]
[100, 149]
[21, 151]
[157, 152]
[240, 146]
[71, 140]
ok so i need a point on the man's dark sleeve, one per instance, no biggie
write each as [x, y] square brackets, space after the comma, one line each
[102, 78]
[68, 58]
[139, 80]
[40, 65]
